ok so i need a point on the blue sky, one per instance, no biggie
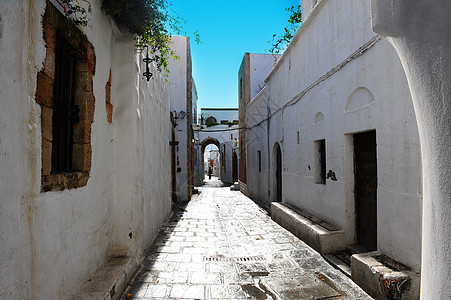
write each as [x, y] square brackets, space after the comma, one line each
[227, 30]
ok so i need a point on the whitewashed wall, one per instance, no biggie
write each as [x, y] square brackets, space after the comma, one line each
[331, 33]
[178, 95]
[227, 148]
[258, 183]
[259, 67]
[51, 242]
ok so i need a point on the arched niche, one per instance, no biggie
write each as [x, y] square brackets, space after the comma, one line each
[358, 98]
[318, 117]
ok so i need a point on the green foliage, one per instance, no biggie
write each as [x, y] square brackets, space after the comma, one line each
[231, 123]
[75, 13]
[280, 42]
[147, 19]
[210, 124]
[151, 21]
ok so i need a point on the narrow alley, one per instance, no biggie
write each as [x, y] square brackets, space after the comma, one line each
[221, 245]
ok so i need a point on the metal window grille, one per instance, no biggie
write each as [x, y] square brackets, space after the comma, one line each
[65, 113]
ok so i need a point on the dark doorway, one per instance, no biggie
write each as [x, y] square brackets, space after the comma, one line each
[278, 173]
[234, 167]
[365, 157]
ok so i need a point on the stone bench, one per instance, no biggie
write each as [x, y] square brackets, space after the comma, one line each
[321, 236]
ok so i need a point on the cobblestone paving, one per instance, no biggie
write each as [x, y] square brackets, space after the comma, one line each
[223, 246]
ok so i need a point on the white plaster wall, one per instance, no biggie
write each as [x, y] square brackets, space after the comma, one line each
[259, 67]
[227, 148]
[331, 33]
[178, 95]
[256, 140]
[221, 133]
[51, 242]
[307, 7]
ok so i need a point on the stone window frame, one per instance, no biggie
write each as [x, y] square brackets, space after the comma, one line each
[55, 25]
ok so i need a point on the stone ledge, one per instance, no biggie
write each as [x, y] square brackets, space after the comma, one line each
[110, 281]
[316, 236]
[243, 187]
[382, 282]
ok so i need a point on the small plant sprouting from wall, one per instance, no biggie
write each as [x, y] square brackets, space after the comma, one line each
[279, 42]
[150, 20]
[75, 13]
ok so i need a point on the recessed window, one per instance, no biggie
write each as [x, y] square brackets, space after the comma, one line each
[65, 111]
[320, 161]
[298, 138]
[65, 93]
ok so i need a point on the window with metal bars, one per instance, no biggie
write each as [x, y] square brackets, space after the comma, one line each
[65, 112]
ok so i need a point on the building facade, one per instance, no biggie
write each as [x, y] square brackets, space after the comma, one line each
[183, 94]
[69, 206]
[334, 134]
[219, 126]
[251, 80]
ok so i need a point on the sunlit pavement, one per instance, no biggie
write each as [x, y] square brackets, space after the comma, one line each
[223, 246]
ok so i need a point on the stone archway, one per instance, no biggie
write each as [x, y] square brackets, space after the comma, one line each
[208, 141]
[419, 31]
[200, 162]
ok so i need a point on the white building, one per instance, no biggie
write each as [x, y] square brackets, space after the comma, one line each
[224, 136]
[334, 134]
[97, 207]
[183, 94]
[251, 80]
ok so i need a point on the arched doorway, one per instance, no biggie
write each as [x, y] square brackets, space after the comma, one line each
[277, 167]
[210, 145]
[234, 167]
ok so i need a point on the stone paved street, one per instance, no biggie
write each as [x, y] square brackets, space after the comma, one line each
[223, 246]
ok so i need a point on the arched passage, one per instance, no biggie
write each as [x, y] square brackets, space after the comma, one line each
[208, 141]
[204, 144]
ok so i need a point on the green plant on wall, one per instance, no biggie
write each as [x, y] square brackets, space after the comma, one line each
[75, 13]
[280, 41]
[150, 20]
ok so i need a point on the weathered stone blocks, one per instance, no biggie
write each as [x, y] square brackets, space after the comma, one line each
[381, 281]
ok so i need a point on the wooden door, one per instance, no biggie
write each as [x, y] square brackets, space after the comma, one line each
[279, 174]
[365, 157]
